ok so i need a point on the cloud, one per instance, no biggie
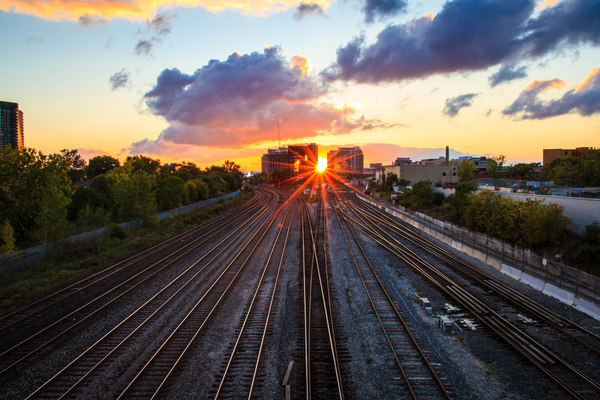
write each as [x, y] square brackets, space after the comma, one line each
[88, 154]
[143, 47]
[119, 79]
[308, 9]
[156, 29]
[382, 8]
[161, 23]
[585, 99]
[91, 20]
[142, 9]
[507, 73]
[454, 104]
[467, 35]
[240, 100]
[34, 39]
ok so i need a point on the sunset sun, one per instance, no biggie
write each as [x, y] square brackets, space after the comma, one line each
[322, 165]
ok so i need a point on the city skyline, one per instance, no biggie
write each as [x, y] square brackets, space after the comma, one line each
[206, 81]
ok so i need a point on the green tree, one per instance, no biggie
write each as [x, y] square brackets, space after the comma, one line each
[30, 184]
[7, 238]
[232, 167]
[76, 164]
[466, 171]
[100, 165]
[133, 195]
[422, 193]
[149, 165]
[391, 179]
[170, 193]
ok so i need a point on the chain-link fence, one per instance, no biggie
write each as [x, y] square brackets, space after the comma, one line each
[19, 258]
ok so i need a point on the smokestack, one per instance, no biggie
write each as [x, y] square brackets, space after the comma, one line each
[447, 155]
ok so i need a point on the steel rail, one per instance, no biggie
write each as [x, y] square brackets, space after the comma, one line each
[416, 345]
[196, 243]
[551, 318]
[170, 339]
[253, 303]
[246, 226]
[517, 339]
[85, 283]
[323, 291]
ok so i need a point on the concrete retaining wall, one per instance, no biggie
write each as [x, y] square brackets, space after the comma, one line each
[514, 271]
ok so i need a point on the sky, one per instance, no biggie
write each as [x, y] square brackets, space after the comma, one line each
[208, 80]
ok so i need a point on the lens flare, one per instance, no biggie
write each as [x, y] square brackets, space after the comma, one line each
[322, 165]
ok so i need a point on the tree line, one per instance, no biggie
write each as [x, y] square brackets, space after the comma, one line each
[45, 198]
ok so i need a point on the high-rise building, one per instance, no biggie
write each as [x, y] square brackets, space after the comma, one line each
[346, 160]
[298, 158]
[11, 126]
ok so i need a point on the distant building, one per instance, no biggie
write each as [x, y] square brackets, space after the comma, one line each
[552, 154]
[414, 173]
[402, 161]
[350, 160]
[11, 126]
[376, 166]
[298, 158]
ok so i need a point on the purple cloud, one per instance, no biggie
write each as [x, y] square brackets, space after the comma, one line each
[507, 73]
[454, 104]
[308, 9]
[467, 35]
[585, 99]
[239, 101]
[382, 8]
[119, 79]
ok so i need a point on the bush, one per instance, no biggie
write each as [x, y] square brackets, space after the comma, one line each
[118, 232]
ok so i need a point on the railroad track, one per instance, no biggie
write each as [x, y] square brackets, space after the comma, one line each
[322, 370]
[571, 331]
[15, 353]
[563, 374]
[157, 370]
[61, 298]
[98, 359]
[418, 378]
[241, 375]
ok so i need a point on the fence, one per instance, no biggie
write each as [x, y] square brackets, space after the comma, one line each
[20, 258]
[554, 278]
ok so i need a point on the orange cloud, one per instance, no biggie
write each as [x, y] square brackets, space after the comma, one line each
[591, 80]
[300, 63]
[545, 84]
[141, 9]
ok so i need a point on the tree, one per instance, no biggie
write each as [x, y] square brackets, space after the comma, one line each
[133, 195]
[31, 184]
[7, 238]
[149, 165]
[422, 193]
[170, 193]
[101, 165]
[76, 164]
[466, 171]
[231, 166]
[390, 180]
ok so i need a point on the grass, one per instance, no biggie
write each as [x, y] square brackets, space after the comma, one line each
[23, 285]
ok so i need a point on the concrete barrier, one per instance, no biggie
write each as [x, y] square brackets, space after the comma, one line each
[549, 289]
[587, 307]
[558, 293]
[532, 281]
